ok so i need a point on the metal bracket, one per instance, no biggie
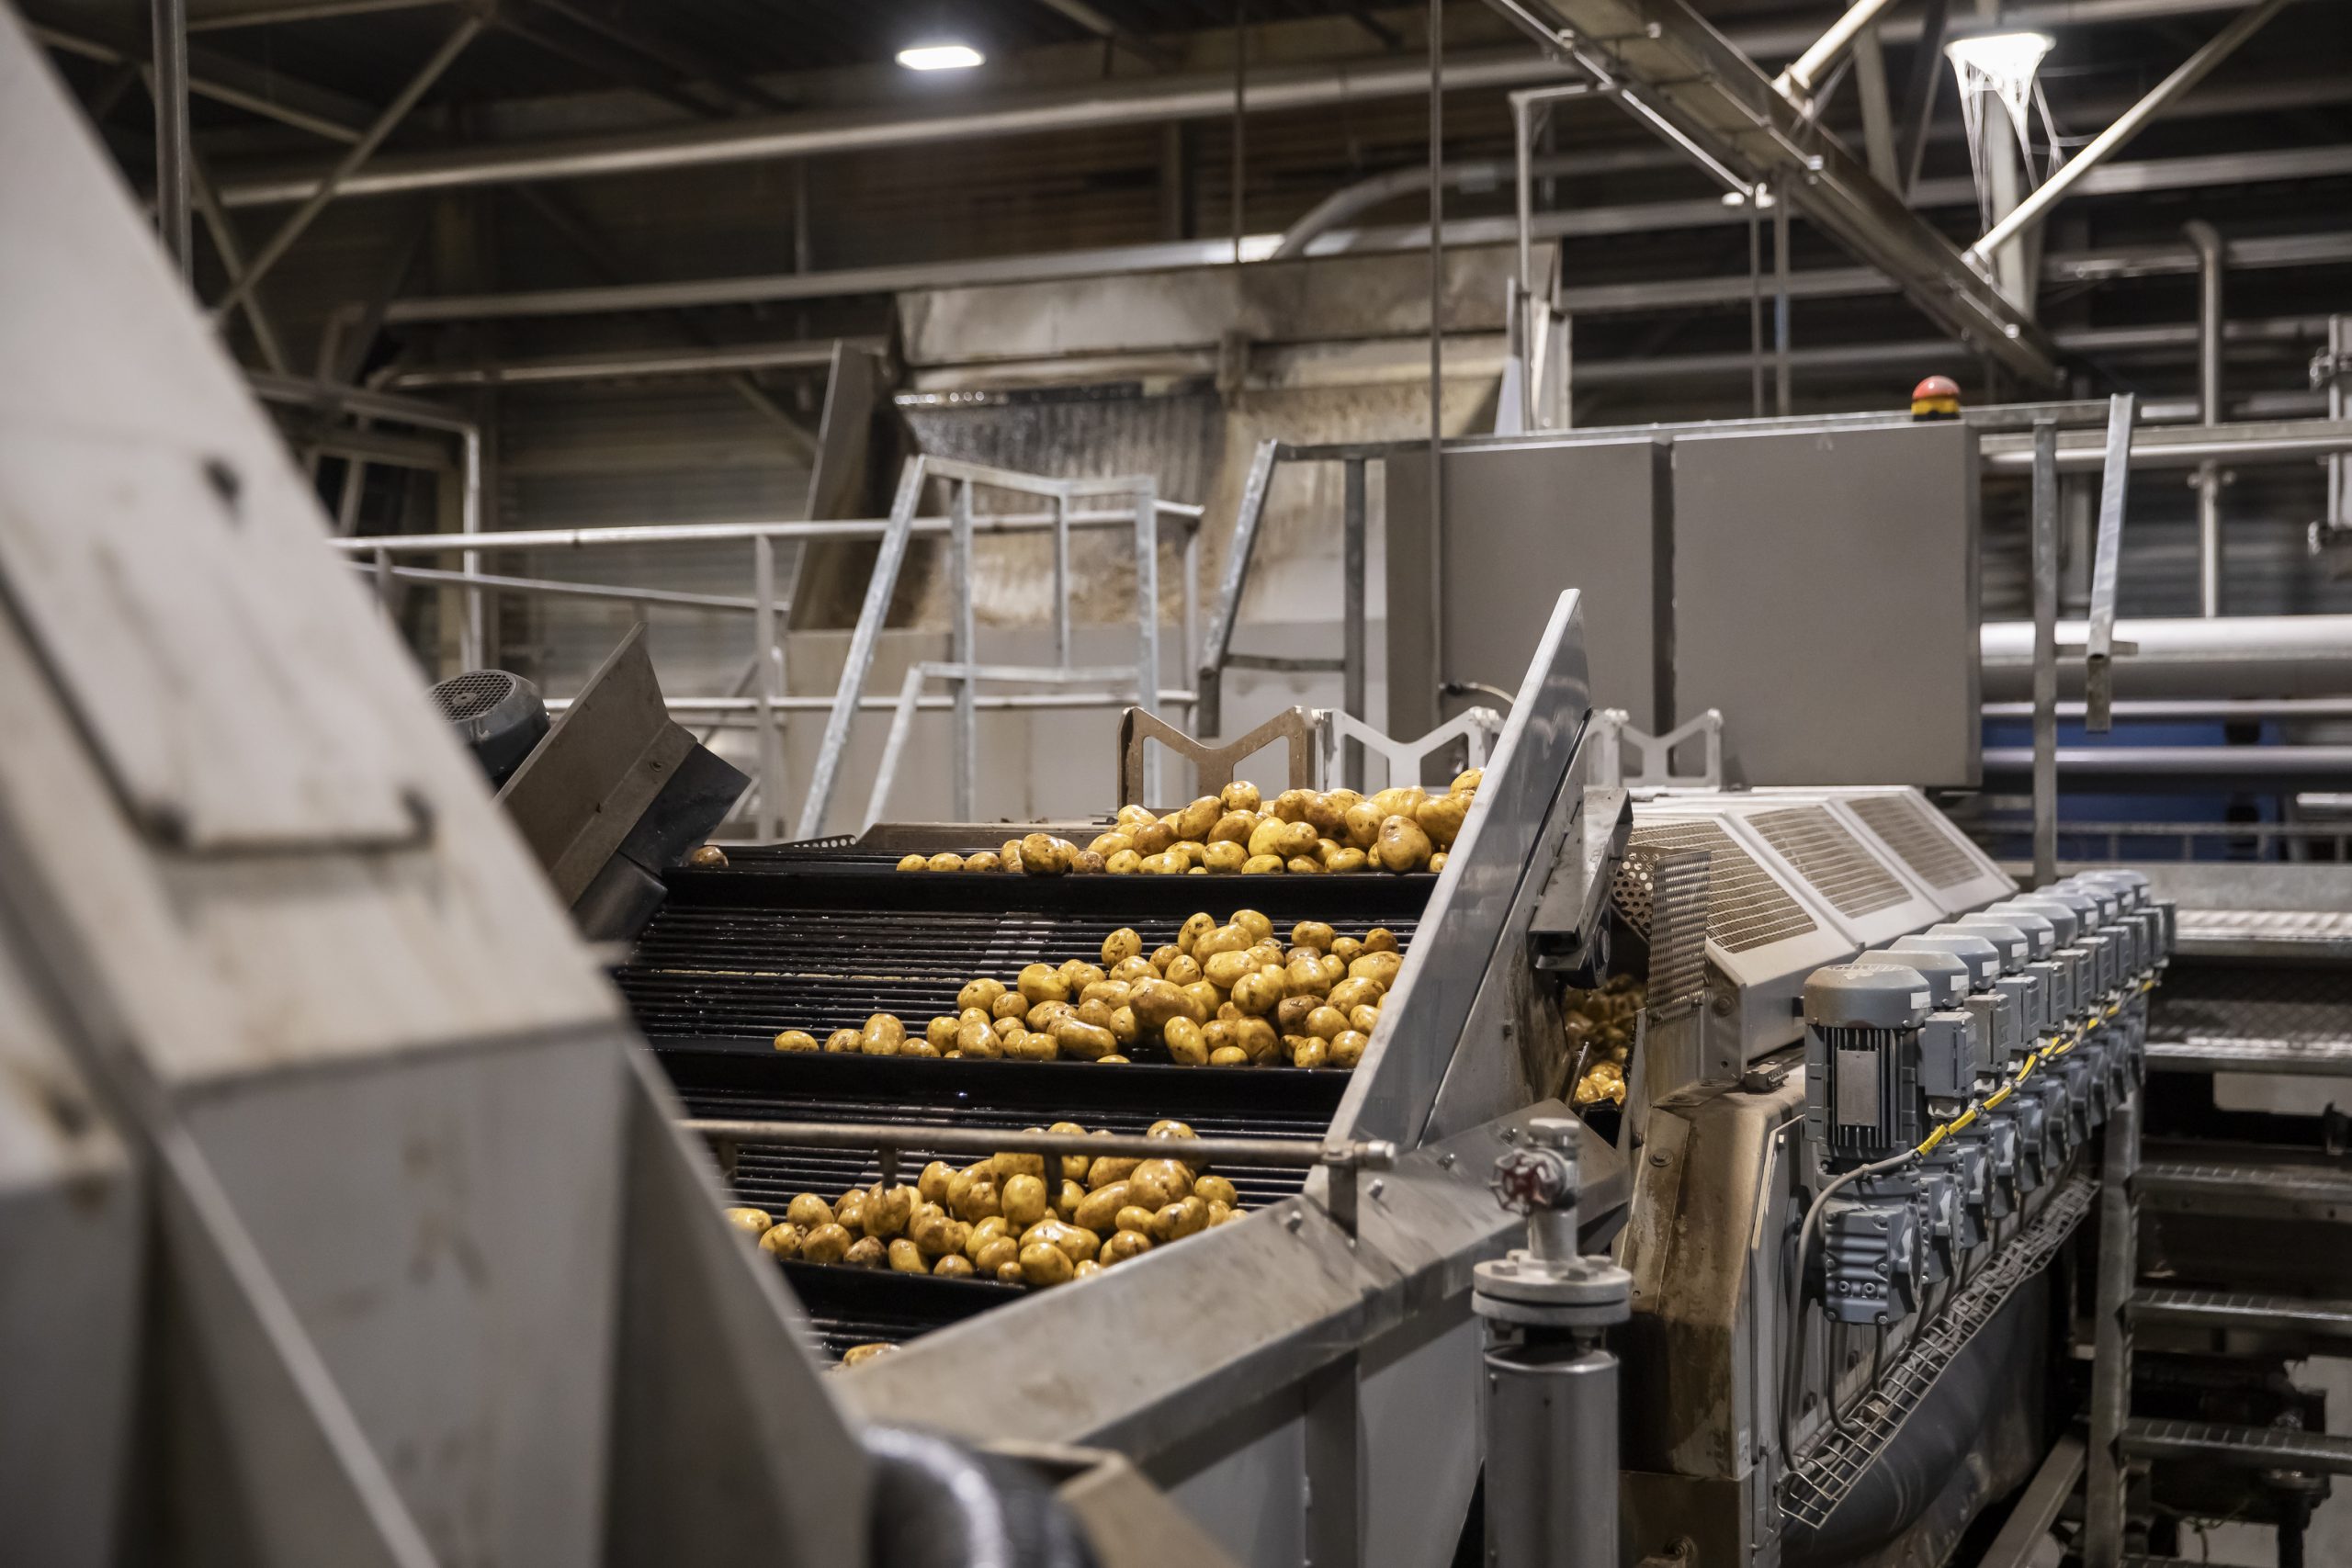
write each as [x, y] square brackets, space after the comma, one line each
[1214, 766]
[1612, 729]
[1569, 931]
[1476, 728]
[2098, 677]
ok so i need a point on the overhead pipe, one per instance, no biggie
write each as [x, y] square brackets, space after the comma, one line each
[2187, 657]
[2169, 173]
[1132, 101]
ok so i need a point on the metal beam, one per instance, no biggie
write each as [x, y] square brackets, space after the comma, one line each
[698, 67]
[1137, 101]
[225, 242]
[1691, 79]
[276, 247]
[1102, 27]
[216, 16]
[1813, 67]
[227, 80]
[169, 85]
[2105, 145]
[807, 354]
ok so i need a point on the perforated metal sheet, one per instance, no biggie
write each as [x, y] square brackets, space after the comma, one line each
[1826, 855]
[1925, 844]
[1746, 908]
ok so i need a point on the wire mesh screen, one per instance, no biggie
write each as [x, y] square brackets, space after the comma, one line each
[1825, 854]
[1927, 843]
[1746, 909]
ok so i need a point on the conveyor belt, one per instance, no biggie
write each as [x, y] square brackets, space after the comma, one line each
[818, 941]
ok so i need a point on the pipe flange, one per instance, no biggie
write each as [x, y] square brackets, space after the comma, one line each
[1588, 1293]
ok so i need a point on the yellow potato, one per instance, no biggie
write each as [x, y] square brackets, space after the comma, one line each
[1227, 938]
[919, 1048]
[906, 1258]
[1364, 1019]
[1226, 969]
[1290, 805]
[1169, 1127]
[1346, 949]
[1304, 978]
[933, 1232]
[1215, 1189]
[1290, 1017]
[1442, 818]
[1011, 1274]
[1306, 1051]
[953, 1267]
[984, 860]
[1134, 816]
[1097, 1011]
[1380, 967]
[1362, 823]
[754, 1223]
[1124, 1027]
[1073, 1166]
[808, 1211]
[1263, 865]
[1042, 983]
[826, 1244]
[1110, 993]
[1109, 1170]
[1187, 1216]
[1233, 828]
[1380, 939]
[940, 1033]
[1124, 1245]
[1202, 1000]
[868, 1252]
[1182, 971]
[1225, 859]
[932, 1185]
[1102, 1206]
[1077, 974]
[1075, 1243]
[1006, 1164]
[1158, 1182]
[1152, 839]
[995, 1253]
[1262, 992]
[1155, 1002]
[1134, 1217]
[946, 860]
[1327, 814]
[1269, 953]
[1042, 1263]
[1348, 1047]
[1024, 1201]
[1257, 1038]
[1314, 934]
[1111, 843]
[913, 862]
[1467, 783]
[1302, 865]
[1240, 795]
[978, 1201]
[1217, 1034]
[1087, 1268]
[1228, 1056]
[844, 1042]
[1045, 1015]
[1067, 1198]
[1184, 1046]
[1349, 995]
[1082, 1041]
[1326, 1023]
[887, 1210]
[858, 1355]
[796, 1040]
[1127, 971]
[1010, 850]
[1170, 864]
[1125, 862]
[1221, 1213]
[1123, 943]
[1195, 821]
[1441, 859]
[980, 994]
[781, 1241]
[1402, 846]
[1042, 854]
[978, 1041]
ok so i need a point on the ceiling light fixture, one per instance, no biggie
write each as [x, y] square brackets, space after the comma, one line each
[940, 57]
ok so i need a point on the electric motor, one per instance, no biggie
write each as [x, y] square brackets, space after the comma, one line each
[1862, 1098]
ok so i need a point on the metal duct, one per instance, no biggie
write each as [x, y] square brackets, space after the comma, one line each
[2240, 656]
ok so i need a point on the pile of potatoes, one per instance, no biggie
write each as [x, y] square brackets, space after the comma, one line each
[1600, 1029]
[1237, 830]
[1221, 995]
[1006, 1217]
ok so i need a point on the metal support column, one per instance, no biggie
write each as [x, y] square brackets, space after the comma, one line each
[1780, 365]
[960, 587]
[879, 588]
[2209, 330]
[2045, 653]
[1755, 308]
[1147, 618]
[1061, 580]
[767, 823]
[473, 635]
[2118, 1219]
[170, 22]
[275, 248]
[2337, 368]
[1356, 645]
[2100, 644]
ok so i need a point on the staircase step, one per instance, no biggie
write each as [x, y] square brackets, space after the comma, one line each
[2249, 1185]
[2248, 1447]
[2190, 1307]
[2215, 1054]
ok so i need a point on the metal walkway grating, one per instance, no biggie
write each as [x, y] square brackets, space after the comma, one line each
[2247, 1447]
[2210, 1054]
[2237, 1186]
[2189, 1307]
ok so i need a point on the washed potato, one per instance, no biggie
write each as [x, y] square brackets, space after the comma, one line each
[1380, 967]
[1121, 944]
[977, 1236]
[1361, 821]
[1234, 828]
[1134, 1217]
[1327, 814]
[1045, 1015]
[905, 1258]
[826, 1244]
[808, 1211]
[1326, 1023]
[1195, 821]
[1011, 1274]
[1240, 795]
[1302, 865]
[1348, 1047]
[796, 1040]
[1305, 976]
[1402, 846]
[1290, 805]
[953, 1267]
[1316, 934]
[1100, 1207]
[1073, 1166]
[946, 860]
[1153, 838]
[1227, 858]
[1380, 939]
[1169, 1127]
[1155, 1002]
[1157, 1183]
[781, 1241]
[1261, 865]
[984, 860]
[940, 1033]
[978, 1198]
[1042, 983]
[1111, 843]
[980, 994]
[858, 1355]
[1467, 783]
[1182, 1038]
[844, 1042]
[882, 1035]
[1124, 863]
[887, 1210]
[1132, 816]
[1042, 1263]
[1306, 1051]
[1257, 1037]
[1109, 1170]
[1023, 1201]
[1124, 1027]
[1124, 1245]
[1186, 1216]
[1215, 1189]
[1130, 970]
[1268, 836]
[1441, 859]
[1442, 818]
[1042, 854]
[1364, 1018]
[913, 862]
[753, 1222]
[1228, 1056]
[998, 1252]
[1290, 1016]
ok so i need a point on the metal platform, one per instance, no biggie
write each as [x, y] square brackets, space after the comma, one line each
[2212, 1054]
[2299, 934]
[2249, 1185]
[2188, 1307]
[2251, 1447]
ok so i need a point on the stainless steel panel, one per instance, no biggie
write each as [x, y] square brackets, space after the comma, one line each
[1522, 523]
[1826, 599]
